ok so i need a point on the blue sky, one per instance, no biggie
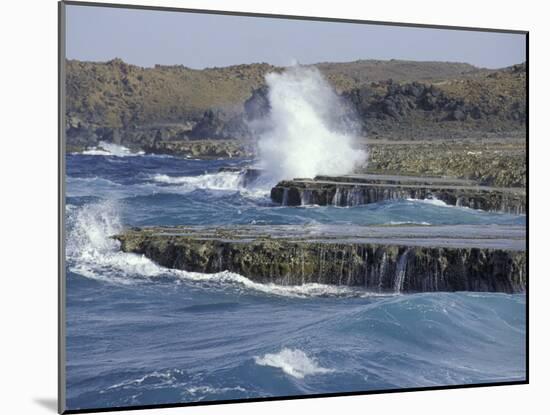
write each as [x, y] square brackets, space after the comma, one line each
[146, 38]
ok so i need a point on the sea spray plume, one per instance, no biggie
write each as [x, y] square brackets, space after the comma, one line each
[304, 134]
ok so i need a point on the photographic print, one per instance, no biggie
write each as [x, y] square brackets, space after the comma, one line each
[258, 207]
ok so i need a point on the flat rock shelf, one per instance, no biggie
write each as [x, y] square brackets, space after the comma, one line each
[377, 258]
[359, 189]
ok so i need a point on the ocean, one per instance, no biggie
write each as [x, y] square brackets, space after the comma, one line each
[141, 334]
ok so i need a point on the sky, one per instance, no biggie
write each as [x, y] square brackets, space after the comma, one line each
[146, 38]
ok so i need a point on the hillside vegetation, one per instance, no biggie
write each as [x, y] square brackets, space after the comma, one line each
[115, 101]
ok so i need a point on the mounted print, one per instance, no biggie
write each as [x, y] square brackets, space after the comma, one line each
[258, 207]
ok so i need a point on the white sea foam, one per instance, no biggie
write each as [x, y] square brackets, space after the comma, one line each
[408, 222]
[303, 135]
[434, 201]
[227, 278]
[93, 253]
[193, 390]
[213, 181]
[441, 203]
[221, 181]
[111, 149]
[293, 362]
[171, 378]
[161, 379]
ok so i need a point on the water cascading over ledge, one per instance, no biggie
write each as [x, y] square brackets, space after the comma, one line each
[354, 190]
[379, 259]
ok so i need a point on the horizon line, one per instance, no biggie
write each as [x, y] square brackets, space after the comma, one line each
[157, 65]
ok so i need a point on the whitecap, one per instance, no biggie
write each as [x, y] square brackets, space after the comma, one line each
[111, 149]
[214, 181]
[220, 181]
[433, 201]
[293, 362]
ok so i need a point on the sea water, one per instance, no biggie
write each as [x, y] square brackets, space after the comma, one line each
[141, 334]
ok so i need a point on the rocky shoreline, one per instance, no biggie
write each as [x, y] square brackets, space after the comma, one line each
[497, 162]
[204, 149]
[377, 258]
[360, 189]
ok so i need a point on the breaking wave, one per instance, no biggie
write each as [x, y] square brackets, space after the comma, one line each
[213, 181]
[293, 362]
[433, 201]
[306, 132]
[221, 181]
[110, 149]
[93, 253]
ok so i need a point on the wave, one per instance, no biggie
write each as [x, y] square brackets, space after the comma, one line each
[93, 253]
[294, 362]
[192, 387]
[306, 132]
[159, 379]
[213, 181]
[221, 181]
[111, 149]
[90, 180]
[433, 201]
[440, 203]
[226, 278]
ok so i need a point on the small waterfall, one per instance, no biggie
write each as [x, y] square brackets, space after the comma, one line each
[366, 262]
[342, 267]
[382, 271]
[401, 271]
[220, 260]
[306, 197]
[349, 197]
[350, 267]
[285, 197]
[355, 197]
[303, 266]
[337, 197]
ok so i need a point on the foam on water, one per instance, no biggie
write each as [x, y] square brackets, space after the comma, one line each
[93, 253]
[111, 149]
[213, 181]
[433, 201]
[168, 377]
[294, 362]
[221, 181]
[209, 390]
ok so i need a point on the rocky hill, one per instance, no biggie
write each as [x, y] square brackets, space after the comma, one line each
[139, 107]
[483, 103]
